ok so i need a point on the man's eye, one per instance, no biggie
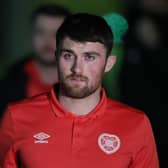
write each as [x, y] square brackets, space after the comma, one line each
[67, 56]
[89, 57]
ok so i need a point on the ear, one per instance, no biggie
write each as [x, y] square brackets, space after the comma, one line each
[110, 63]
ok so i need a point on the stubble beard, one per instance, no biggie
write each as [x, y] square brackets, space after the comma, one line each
[78, 91]
[44, 62]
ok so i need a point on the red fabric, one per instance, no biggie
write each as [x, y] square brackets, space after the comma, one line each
[73, 140]
[35, 85]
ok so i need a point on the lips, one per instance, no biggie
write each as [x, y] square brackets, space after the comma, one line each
[77, 78]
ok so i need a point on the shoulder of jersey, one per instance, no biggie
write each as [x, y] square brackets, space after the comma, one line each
[120, 106]
[37, 100]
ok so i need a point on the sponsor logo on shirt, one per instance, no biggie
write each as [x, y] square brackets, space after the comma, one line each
[109, 143]
[41, 137]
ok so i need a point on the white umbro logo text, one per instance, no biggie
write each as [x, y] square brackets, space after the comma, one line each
[41, 137]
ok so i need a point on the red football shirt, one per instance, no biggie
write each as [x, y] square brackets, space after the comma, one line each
[34, 85]
[40, 133]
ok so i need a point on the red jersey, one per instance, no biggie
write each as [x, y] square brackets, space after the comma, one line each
[34, 84]
[39, 133]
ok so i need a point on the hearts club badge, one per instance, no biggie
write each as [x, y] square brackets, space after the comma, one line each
[109, 143]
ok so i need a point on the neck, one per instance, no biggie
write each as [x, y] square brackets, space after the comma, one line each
[81, 106]
[48, 74]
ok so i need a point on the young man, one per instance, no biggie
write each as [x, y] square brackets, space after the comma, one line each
[75, 124]
[37, 73]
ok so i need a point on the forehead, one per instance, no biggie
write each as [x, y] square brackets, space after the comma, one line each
[76, 46]
[47, 21]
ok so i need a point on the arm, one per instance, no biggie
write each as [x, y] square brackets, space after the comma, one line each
[10, 159]
[6, 135]
[146, 155]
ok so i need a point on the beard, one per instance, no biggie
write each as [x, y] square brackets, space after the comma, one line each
[45, 62]
[78, 90]
[46, 58]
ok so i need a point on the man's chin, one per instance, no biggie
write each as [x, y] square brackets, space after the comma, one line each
[78, 92]
[76, 95]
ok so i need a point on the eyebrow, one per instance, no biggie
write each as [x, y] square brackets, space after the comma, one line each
[87, 53]
[67, 50]
[92, 53]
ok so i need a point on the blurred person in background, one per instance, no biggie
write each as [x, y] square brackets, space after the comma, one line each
[111, 80]
[38, 72]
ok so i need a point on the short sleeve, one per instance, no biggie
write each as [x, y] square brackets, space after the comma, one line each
[10, 159]
[6, 134]
[146, 156]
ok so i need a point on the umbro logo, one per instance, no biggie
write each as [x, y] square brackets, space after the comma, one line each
[41, 137]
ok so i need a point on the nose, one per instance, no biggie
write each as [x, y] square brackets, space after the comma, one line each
[77, 66]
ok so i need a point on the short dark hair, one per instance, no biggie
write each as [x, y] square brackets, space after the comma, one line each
[50, 10]
[83, 27]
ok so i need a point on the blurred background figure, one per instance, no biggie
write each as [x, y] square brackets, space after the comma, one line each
[111, 80]
[37, 72]
[42, 70]
[145, 65]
